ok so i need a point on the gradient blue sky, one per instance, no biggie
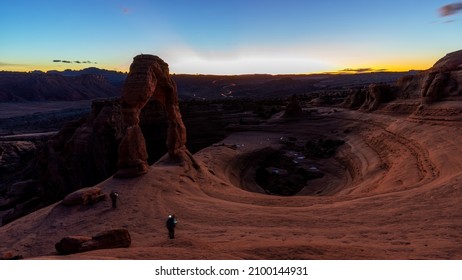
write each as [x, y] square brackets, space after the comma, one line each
[227, 37]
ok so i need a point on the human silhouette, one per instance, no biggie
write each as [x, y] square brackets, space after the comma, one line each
[171, 223]
[114, 196]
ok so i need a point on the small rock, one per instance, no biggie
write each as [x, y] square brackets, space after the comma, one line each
[84, 196]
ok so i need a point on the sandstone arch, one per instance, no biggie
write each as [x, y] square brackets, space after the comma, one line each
[148, 78]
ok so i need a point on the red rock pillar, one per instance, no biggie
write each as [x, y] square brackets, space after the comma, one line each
[148, 78]
[138, 88]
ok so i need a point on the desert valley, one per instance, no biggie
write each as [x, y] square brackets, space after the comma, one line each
[326, 166]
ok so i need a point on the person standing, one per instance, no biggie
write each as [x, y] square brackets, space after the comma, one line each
[114, 196]
[171, 223]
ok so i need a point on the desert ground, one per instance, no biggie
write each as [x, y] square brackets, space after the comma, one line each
[392, 191]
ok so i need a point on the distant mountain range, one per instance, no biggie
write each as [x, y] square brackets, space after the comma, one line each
[92, 83]
[275, 86]
[68, 85]
[113, 77]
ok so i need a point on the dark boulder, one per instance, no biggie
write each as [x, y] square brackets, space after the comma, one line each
[116, 238]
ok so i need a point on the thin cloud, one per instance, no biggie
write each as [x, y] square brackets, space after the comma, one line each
[361, 70]
[11, 64]
[450, 9]
[75, 61]
[126, 10]
[357, 70]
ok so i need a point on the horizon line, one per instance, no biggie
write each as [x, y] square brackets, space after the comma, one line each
[338, 72]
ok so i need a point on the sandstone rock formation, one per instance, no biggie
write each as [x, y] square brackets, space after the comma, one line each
[20, 199]
[149, 77]
[441, 81]
[83, 153]
[354, 99]
[409, 86]
[117, 238]
[450, 62]
[376, 95]
[19, 193]
[433, 88]
[84, 196]
[14, 153]
[370, 99]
